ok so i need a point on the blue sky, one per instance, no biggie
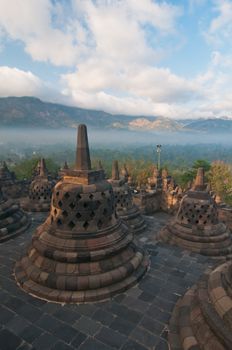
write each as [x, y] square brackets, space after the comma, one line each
[140, 57]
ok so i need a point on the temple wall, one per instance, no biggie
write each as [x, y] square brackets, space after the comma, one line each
[225, 215]
[151, 202]
[148, 203]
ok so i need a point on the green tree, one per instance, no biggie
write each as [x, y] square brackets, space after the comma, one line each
[25, 168]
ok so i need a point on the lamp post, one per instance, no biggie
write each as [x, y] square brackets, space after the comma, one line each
[158, 150]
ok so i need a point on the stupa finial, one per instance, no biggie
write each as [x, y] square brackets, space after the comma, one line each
[99, 165]
[115, 170]
[82, 153]
[42, 168]
[65, 165]
[199, 183]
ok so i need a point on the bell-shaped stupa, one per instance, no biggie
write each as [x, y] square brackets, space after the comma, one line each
[6, 176]
[125, 208]
[155, 181]
[196, 226]
[202, 319]
[13, 220]
[82, 252]
[40, 191]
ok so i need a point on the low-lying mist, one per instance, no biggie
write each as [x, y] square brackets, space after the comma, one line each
[109, 138]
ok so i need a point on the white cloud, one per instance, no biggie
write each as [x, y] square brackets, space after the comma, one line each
[15, 82]
[220, 29]
[112, 50]
[64, 33]
[31, 22]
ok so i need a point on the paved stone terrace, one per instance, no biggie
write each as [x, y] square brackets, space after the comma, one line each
[135, 320]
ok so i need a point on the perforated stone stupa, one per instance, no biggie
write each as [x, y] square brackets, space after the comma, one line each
[196, 226]
[202, 319]
[13, 220]
[40, 191]
[155, 181]
[125, 208]
[82, 252]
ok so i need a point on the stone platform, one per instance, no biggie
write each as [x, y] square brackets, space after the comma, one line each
[135, 320]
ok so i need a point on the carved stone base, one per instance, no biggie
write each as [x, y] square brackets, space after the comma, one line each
[13, 221]
[202, 319]
[59, 268]
[213, 241]
[133, 219]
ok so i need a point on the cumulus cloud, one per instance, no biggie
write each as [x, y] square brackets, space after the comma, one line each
[33, 26]
[113, 52]
[15, 82]
[220, 29]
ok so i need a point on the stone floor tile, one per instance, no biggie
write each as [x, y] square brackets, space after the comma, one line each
[25, 346]
[144, 337]
[68, 316]
[30, 312]
[87, 325]
[61, 346]
[79, 339]
[111, 338]
[93, 344]
[122, 326]
[152, 325]
[45, 341]
[48, 323]
[103, 317]
[17, 324]
[5, 315]
[162, 345]
[30, 333]
[65, 332]
[132, 345]
[8, 340]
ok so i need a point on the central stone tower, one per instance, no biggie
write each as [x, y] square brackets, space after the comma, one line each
[82, 252]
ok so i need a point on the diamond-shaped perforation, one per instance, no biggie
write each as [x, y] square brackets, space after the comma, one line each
[65, 213]
[78, 215]
[67, 195]
[99, 224]
[72, 205]
[71, 224]
[59, 222]
[86, 225]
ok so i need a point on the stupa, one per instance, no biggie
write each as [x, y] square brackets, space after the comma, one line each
[13, 220]
[82, 252]
[125, 173]
[202, 319]
[63, 170]
[196, 226]
[155, 182]
[125, 208]
[40, 191]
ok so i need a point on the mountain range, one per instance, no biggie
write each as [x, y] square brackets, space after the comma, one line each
[31, 112]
